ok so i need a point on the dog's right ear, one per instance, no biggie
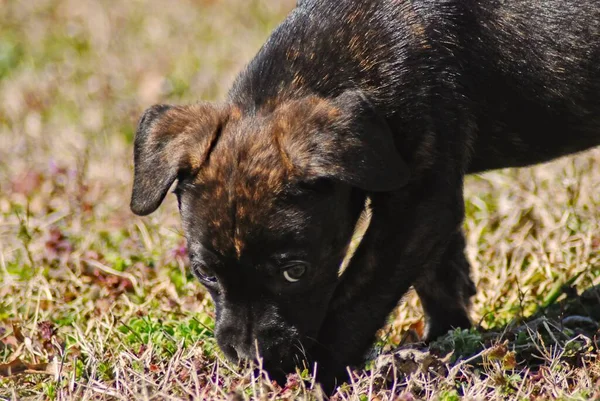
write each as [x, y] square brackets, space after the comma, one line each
[170, 142]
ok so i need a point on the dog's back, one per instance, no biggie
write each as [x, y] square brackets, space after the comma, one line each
[526, 72]
[533, 70]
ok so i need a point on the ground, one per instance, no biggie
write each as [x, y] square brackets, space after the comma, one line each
[96, 303]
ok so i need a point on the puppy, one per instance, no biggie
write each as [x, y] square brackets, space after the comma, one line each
[388, 100]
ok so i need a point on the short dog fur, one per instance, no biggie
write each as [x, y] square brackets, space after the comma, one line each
[394, 100]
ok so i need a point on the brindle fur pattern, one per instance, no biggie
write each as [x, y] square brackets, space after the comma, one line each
[394, 100]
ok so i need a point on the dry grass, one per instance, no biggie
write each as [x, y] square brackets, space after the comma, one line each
[97, 304]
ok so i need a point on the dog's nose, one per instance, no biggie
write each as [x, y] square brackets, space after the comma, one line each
[230, 352]
[245, 352]
[235, 352]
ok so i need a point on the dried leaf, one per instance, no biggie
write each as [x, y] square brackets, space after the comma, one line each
[27, 183]
[57, 244]
[10, 341]
[47, 330]
[419, 328]
[115, 284]
[17, 332]
[17, 366]
[498, 352]
[103, 305]
[509, 361]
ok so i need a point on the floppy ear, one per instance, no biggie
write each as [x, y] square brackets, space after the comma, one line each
[354, 144]
[171, 141]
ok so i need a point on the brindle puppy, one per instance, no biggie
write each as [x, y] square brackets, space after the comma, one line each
[394, 100]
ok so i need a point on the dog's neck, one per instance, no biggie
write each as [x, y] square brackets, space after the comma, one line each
[360, 229]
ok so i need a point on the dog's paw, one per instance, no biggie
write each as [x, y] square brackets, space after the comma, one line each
[437, 327]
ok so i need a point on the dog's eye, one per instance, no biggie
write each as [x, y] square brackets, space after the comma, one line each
[203, 273]
[294, 271]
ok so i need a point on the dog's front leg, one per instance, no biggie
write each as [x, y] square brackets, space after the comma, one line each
[411, 233]
[446, 290]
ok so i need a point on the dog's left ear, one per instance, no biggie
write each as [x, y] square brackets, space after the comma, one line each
[171, 142]
[350, 142]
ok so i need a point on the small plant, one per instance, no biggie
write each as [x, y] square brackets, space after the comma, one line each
[461, 343]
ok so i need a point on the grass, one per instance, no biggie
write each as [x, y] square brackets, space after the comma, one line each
[96, 303]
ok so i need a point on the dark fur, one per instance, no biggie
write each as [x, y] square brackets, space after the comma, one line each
[391, 99]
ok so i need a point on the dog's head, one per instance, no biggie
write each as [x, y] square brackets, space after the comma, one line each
[268, 200]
